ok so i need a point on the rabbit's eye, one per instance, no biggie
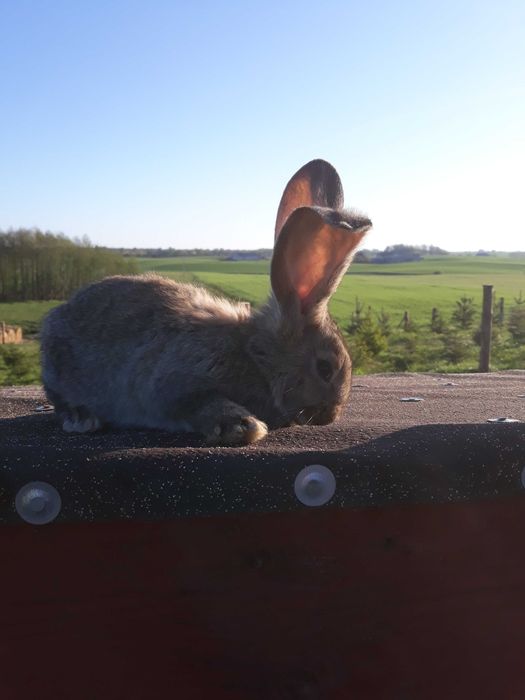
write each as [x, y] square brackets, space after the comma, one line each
[324, 369]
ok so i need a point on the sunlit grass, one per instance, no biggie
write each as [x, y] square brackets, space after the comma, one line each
[414, 287]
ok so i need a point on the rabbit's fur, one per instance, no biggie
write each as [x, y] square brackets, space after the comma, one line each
[150, 352]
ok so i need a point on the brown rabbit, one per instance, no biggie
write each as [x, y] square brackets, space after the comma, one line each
[150, 352]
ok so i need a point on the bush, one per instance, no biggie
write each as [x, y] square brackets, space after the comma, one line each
[457, 346]
[19, 364]
[401, 353]
[366, 338]
[497, 335]
[464, 313]
[383, 321]
[508, 355]
[516, 324]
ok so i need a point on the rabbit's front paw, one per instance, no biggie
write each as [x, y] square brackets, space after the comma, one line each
[236, 430]
[85, 425]
[224, 422]
[77, 419]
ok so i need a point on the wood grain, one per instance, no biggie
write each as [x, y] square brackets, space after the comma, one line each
[419, 601]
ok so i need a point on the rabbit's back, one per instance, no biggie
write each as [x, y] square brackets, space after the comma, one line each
[121, 306]
[108, 347]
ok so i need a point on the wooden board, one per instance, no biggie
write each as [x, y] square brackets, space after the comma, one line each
[403, 602]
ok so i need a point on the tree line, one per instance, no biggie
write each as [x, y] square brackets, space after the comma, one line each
[41, 265]
[398, 254]
[391, 254]
[221, 253]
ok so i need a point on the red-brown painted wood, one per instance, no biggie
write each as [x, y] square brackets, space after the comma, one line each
[414, 602]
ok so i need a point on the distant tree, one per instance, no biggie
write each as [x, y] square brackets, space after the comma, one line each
[41, 265]
[516, 323]
[365, 332]
[222, 253]
[464, 313]
[383, 321]
[433, 250]
[457, 346]
[357, 316]
[362, 256]
[398, 253]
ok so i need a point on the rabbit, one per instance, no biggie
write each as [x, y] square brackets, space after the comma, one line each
[149, 352]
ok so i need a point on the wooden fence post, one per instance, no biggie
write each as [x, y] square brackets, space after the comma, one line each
[486, 329]
[501, 311]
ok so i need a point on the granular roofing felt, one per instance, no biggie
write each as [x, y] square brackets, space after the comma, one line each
[375, 409]
[383, 449]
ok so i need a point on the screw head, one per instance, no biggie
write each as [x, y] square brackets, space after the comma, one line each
[38, 503]
[314, 485]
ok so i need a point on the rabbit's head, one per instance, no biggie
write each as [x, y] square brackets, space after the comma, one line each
[301, 348]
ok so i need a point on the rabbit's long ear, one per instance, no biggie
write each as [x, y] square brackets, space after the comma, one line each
[316, 184]
[312, 253]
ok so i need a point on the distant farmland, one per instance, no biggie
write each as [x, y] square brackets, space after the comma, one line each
[416, 287]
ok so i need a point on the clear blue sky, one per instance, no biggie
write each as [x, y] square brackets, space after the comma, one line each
[170, 123]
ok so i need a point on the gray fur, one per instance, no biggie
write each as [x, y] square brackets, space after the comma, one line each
[150, 352]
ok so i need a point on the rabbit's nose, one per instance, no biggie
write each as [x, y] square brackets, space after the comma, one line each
[316, 415]
[324, 417]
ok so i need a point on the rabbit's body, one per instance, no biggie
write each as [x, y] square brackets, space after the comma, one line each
[151, 352]
[165, 349]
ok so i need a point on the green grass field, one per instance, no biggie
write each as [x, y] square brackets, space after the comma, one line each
[27, 314]
[416, 287]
